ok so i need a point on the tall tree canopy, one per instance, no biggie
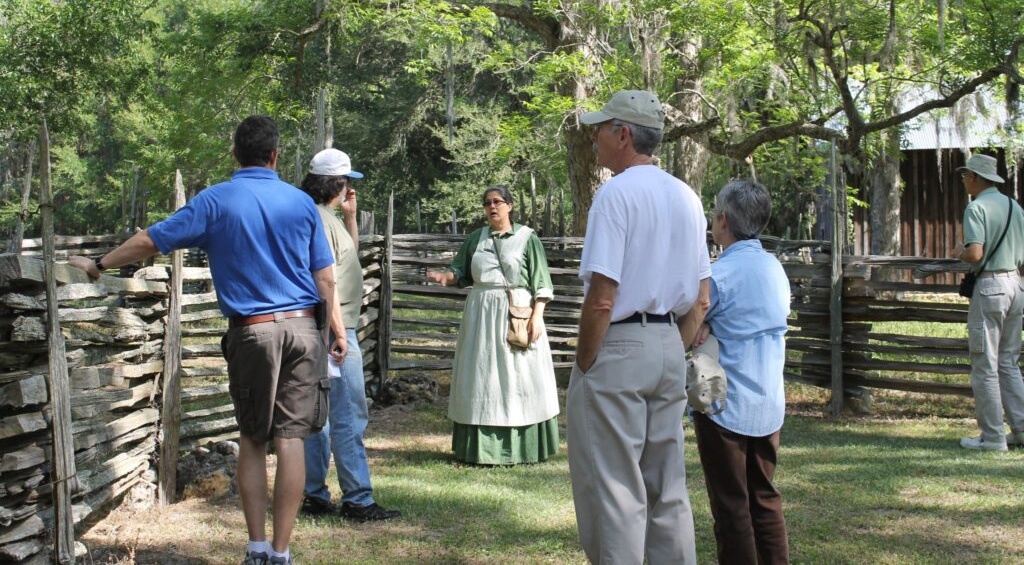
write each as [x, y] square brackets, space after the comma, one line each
[434, 100]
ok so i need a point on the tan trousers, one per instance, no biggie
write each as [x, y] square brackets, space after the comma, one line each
[994, 336]
[625, 440]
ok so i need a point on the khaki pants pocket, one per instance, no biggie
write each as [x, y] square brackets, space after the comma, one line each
[976, 338]
[323, 393]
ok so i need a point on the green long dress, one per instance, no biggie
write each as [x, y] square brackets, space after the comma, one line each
[503, 402]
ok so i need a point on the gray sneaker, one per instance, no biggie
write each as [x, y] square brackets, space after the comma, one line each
[1015, 439]
[260, 558]
[979, 444]
[282, 560]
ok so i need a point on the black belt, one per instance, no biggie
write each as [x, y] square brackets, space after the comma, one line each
[638, 318]
[238, 321]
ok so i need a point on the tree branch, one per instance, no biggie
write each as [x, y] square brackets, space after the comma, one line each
[1007, 67]
[546, 28]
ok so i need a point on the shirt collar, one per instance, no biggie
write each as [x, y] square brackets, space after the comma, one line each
[255, 173]
[742, 244]
[509, 233]
[990, 190]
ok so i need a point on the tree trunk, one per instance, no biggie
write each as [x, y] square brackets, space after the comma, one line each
[884, 192]
[690, 158]
[26, 192]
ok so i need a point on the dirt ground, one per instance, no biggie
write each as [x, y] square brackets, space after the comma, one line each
[129, 536]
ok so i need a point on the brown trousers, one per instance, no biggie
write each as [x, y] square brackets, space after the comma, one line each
[747, 508]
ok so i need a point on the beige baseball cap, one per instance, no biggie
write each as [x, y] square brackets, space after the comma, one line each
[983, 166]
[634, 106]
[705, 379]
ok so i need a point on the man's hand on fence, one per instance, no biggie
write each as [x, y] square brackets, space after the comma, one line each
[86, 264]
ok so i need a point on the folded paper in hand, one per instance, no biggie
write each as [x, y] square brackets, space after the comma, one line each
[333, 368]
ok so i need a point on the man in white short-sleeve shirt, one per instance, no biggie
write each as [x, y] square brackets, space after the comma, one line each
[645, 267]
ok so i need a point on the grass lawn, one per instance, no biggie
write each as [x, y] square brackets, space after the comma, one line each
[891, 488]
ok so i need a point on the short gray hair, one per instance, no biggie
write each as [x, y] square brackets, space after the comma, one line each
[748, 206]
[645, 139]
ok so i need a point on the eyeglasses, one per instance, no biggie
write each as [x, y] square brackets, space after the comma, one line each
[495, 202]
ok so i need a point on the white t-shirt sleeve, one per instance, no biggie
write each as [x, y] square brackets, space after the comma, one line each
[605, 246]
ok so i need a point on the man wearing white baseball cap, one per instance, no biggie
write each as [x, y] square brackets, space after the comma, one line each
[994, 247]
[328, 183]
[644, 269]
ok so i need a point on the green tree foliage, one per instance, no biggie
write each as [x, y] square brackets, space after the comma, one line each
[435, 100]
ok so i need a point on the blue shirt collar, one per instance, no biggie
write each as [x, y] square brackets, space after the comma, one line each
[990, 190]
[255, 173]
[742, 244]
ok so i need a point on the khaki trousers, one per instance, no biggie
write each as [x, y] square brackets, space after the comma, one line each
[994, 336]
[625, 440]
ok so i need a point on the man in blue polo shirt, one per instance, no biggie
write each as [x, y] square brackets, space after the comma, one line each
[271, 265]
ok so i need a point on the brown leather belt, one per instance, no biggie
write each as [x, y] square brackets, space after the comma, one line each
[238, 321]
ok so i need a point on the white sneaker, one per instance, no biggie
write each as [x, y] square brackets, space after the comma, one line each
[1015, 439]
[979, 444]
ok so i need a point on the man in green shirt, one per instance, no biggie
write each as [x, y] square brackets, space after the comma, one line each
[997, 305]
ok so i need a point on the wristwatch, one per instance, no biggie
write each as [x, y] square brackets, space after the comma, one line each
[99, 264]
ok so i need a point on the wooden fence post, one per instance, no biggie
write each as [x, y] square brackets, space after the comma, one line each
[836, 291]
[170, 411]
[384, 315]
[64, 475]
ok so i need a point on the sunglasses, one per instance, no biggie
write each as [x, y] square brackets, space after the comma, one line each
[495, 202]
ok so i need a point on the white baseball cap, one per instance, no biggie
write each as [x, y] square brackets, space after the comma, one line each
[333, 163]
[706, 383]
[634, 106]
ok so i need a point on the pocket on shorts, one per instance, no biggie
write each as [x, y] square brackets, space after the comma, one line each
[323, 392]
[976, 338]
[245, 410]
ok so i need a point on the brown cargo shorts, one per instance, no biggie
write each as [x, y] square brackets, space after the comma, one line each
[278, 378]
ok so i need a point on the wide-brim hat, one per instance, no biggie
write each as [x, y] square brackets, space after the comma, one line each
[706, 383]
[982, 165]
[634, 106]
[332, 162]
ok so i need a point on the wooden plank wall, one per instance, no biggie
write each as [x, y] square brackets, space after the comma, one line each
[932, 205]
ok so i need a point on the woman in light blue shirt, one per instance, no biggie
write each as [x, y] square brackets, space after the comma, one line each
[738, 446]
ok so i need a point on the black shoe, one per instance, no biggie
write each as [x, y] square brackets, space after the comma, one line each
[313, 506]
[371, 513]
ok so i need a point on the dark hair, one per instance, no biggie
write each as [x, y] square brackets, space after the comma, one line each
[748, 206]
[256, 139]
[501, 189]
[323, 188]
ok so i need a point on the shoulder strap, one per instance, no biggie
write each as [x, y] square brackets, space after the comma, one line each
[497, 253]
[1009, 218]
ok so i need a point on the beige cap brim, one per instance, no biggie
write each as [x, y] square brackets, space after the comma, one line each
[593, 118]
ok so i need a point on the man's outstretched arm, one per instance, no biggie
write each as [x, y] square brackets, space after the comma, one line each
[138, 247]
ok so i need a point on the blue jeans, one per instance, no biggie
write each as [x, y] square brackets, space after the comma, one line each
[346, 423]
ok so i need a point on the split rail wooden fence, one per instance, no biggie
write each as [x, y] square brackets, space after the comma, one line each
[117, 338]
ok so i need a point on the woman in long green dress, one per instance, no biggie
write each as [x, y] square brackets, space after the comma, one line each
[503, 400]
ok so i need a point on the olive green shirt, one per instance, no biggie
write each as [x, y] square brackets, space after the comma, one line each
[984, 220]
[533, 273]
[348, 274]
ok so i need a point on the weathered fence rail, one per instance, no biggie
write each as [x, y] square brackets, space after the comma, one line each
[115, 331]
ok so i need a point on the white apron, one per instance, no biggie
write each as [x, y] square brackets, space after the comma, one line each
[491, 384]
